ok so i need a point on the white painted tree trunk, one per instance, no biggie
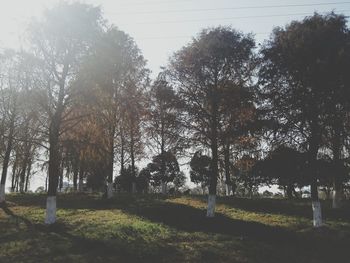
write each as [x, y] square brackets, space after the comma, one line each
[337, 197]
[228, 190]
[317, 215]
[80, 186]
[2, 193]
[50, 210]
[164, 188]
[211, 205]
[133, 188]
[109, 190]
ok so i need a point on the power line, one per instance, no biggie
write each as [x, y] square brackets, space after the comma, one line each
[227, 8]
[259, 33]
[154, 2]
[185, 36]
[224, 18]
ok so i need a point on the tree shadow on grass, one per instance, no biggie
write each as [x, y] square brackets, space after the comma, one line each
[299, 208]
[177, 216]
[295, 207]
[76, 200]
[17, 218]
[59, 242]
[312, 244]
[184, 218]
[189, 219]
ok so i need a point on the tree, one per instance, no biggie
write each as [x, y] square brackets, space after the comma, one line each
[238, 127]
[19, 116]
[246, 175]
[164, 117]
[126, 181]
[203, 71]
[132, 122]
[299, 85]
[61, 39]
[9, 96]
[115, 74]
[142, 180]
[200, 169]
[179, 181]
[284, 166]
[338, 103]
[164, 168]
[163, 121]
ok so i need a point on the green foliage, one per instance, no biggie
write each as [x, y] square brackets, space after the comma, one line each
[125, 180]
[283, 166]
[179, 180]
[163, 168]
[163, 118]
[200, 169]
[288, 168]
[303, 76]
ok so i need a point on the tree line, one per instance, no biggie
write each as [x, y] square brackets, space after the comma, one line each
[79, 101]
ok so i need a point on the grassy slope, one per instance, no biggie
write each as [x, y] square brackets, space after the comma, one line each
[155, 229]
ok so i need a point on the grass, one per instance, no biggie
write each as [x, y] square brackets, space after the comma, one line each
[150, 228]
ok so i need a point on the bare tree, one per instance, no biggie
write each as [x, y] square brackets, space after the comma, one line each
[61, 39]
[203, 71]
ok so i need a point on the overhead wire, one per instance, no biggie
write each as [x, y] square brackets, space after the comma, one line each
[136, 3]
[227, 8]
[224, 18]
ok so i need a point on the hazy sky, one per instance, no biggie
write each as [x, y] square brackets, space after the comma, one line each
[161, 27]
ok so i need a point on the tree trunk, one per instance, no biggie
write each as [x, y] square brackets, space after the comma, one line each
[337, 193]
[214, 166]
[109, 190]
[164, 188]
[54, 171]
[122, 152]
[289, 191]
[46, 182]
[75, 177]
[211, 205]
[316, 205]
[234, 188]
[60, 186]
[17, 181]
[132, 153]
[28, 175]
[337, 182]
[227, 169]
[228, 190]
[81, 176]
[164, 180]
[14, 168]
[110, 162]
[54, 155]
[26, 147]
[22, 178]
[22, 175]
[6, 159]
[2, 193]
[133, 188]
